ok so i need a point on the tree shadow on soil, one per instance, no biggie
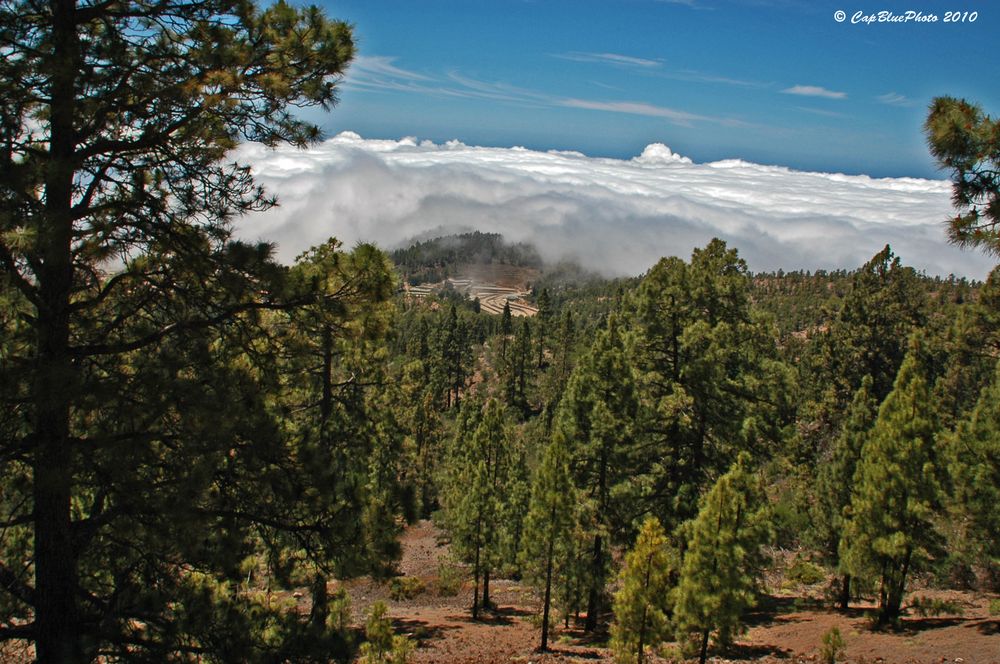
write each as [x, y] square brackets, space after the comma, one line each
[494, 616]
[988, 627]
[574, 654]
[771, 610]
[752, 651]
[421, 630]
[911, 626]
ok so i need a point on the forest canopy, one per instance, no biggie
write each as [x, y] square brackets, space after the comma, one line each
[188, 424]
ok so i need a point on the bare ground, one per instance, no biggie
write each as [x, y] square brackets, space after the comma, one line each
[783, 629]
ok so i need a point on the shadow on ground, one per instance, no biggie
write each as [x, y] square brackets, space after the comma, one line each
[494, 616]
[755, 651]
[421, 630]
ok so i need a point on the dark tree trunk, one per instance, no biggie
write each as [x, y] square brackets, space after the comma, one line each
[56, 615]
[896, 586]
[645, 611]
[845, 592]
[475, 573]
[704, 647]
[596, 585]
[320, 603]
[486, 589]
[548, 593]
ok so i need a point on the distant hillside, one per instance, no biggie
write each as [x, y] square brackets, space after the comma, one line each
[435, 260]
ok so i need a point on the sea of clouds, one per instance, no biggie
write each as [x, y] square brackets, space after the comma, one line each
[615, 216]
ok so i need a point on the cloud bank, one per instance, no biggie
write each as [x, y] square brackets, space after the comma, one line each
[616, 216]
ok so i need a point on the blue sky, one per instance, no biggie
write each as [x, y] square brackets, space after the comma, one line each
[768, 81]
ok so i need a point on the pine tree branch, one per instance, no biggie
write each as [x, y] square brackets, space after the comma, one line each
[11, 582]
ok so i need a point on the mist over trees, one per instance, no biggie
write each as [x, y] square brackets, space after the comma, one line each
[187, 423]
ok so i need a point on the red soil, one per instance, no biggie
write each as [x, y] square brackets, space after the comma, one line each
[779, 631]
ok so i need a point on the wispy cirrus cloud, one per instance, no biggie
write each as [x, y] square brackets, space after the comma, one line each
[655, 67]
[615, 59]
[814, 91]
[704, 77]
[636, 108]
[820, 111]
[380, 73]
[895, 99]
[692, 4]
[371, 66]
[674, 115]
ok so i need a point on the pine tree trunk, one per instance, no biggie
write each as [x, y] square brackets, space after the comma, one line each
[486, 589]
[57, 637]
[548, 593]
[894, 603]
[475, 573]
[645, 609]
[594, 595]
[704, 647]
[883, 599]
[845, 592]
[642, 637]
[320, 603]
[597, 561]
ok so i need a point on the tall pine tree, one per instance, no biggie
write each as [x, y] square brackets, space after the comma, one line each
[898, 489]
[974, 456]
[644, 602]
[596, 415]
[722, 557]
[548, 527]
[836, 481]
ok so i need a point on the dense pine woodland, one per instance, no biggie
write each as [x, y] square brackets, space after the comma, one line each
[187, 424]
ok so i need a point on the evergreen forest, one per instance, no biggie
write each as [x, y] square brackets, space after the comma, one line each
[191, 431]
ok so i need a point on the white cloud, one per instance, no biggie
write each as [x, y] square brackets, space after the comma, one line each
[617, 216]
[636, 108]
[820, 111]
[895, 99]
[611, 59]
[676, 116]
[814, 91]
[370, 66]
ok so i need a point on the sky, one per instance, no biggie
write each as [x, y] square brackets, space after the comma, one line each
[768, 81]
[619, 131]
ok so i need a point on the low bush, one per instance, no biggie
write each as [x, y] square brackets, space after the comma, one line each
[450, 577]
[927, 607]
[804, 572]
[405, 587]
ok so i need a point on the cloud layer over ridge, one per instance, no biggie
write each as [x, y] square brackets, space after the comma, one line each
[615, 216]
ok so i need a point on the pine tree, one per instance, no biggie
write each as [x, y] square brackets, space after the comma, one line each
[596, 415]
[452, 369]
[708, 375]
[722, 557]
[548, 526]
[117, 120]
[971, 346]
[477, 478]
[523, 368]
[506, 330]
[898, 488]
[836, 480]
[643, 604]
[544, 318]
[974, 459]
[965, 140]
